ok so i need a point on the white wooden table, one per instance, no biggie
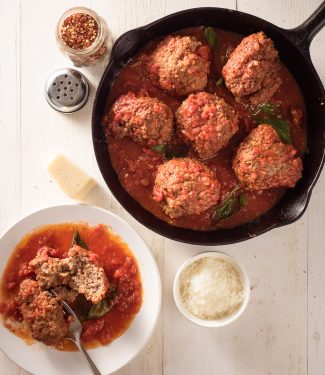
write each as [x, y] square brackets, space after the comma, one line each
[283, 329]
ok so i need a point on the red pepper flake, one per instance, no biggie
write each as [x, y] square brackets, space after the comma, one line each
[79, 31]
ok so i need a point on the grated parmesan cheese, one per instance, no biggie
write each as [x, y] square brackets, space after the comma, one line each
[211, 288]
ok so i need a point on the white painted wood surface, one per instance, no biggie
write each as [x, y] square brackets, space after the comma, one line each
[283, 329]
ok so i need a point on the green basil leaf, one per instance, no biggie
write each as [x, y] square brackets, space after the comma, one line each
[219, 81]
[269, 113]
[229, 206]
[282, 127]
[225, 211]
[269, 108]
[77, 240]
[101, 308]
[159, 148]
[111, 291]
[243, 200]
[211, 37]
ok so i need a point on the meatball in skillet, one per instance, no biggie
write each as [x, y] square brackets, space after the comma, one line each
[262, 161]
[208, 122]
[42, 312]
[180, 65]
[252, 71]
[185, 186]
[148, 121]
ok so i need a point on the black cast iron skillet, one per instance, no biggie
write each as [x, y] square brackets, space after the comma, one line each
[293, 46]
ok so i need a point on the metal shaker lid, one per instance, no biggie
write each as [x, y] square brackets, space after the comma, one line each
[67, 90]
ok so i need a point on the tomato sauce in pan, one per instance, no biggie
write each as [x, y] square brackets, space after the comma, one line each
[114, 256]
[136, 166]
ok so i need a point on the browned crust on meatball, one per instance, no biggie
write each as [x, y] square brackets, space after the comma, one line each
[208, 122]
[185, 186]
[177, 66]
[252, 71]
[262, 161]
[50, 272]
[42, 312]
[146, 120]
[65, 293]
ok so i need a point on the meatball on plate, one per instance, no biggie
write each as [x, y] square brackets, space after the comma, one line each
[95, 262]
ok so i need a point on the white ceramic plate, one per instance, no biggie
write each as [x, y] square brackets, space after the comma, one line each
[39, 359]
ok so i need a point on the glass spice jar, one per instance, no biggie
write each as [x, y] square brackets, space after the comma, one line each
[83, 36]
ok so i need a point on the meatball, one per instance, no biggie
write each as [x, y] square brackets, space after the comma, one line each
[42, 312]
[252, 71]
[50, 272]
[262, 161]
[78, 271]
[180, 65]
[185, 186]
[208, 122]
[65, 293]
[148, 121]
[89, 279]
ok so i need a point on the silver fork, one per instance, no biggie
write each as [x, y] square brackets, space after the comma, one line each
[74, 334]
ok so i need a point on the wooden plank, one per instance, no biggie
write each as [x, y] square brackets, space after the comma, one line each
[316, 254]
[10, 119]
[285, 14]
[10, 115]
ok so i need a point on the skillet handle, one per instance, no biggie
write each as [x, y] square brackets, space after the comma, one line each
[303, 34]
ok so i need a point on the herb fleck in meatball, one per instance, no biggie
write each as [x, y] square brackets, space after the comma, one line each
[262, 161]
[148, 121]
[180, 65]
[208, 122]
[185, 186]
[252, 71]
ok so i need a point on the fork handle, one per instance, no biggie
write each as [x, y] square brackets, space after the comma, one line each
[90, 362]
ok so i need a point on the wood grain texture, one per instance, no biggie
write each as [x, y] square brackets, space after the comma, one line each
[283, 329]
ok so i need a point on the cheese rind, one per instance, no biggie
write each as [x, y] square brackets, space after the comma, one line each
[71, 179]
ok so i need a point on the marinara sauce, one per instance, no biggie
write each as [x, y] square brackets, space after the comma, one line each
[136, 166]
[114, 256]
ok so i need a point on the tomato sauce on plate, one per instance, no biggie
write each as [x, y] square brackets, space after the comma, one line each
[136, 165]
[113, 255]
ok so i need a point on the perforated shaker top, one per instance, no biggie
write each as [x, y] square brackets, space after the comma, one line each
[67, 90]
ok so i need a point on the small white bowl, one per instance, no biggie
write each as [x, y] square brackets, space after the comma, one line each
[217, 322]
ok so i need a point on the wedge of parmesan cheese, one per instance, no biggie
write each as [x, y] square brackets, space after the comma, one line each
[71, 179]
[211, 288]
